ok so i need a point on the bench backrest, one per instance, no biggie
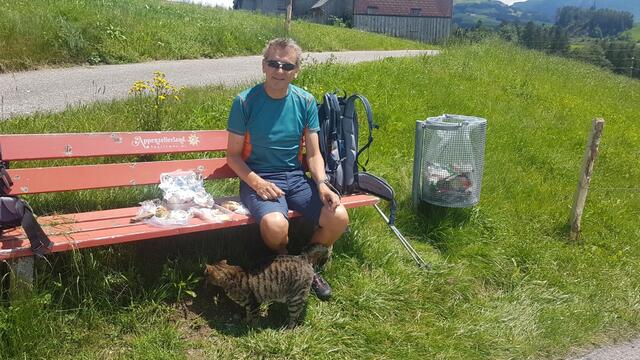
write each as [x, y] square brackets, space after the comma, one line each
[35, 180]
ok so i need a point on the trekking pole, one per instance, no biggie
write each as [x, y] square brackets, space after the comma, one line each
[414, 254]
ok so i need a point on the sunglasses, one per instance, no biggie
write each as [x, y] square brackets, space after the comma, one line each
[280, 65]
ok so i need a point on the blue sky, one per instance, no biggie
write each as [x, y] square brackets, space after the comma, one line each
[229, 3]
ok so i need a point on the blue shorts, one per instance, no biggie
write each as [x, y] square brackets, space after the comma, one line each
[300, 194]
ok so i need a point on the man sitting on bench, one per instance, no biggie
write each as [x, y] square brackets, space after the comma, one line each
[267, 125]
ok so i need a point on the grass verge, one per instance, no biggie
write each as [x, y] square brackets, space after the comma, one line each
[40, 33]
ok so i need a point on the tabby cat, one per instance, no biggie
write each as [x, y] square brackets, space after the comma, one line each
[286, 279]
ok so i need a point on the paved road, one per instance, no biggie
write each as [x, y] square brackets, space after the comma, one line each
[55, 89]
[623, 351]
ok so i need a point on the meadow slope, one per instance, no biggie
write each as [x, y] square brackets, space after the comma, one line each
[43, 33]
[505, 282]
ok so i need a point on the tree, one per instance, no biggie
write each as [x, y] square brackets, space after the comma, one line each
[559, 40]
[509, 32]
[591, 53]
[593, 22]
[621, 54]
[528, 38]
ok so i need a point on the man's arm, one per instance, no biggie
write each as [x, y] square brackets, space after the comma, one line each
[265, 189]
[316, 168]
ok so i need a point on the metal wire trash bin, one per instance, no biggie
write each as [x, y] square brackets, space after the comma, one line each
[449, 160]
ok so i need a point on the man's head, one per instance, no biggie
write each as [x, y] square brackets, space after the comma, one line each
[281, 44]
[280, 64]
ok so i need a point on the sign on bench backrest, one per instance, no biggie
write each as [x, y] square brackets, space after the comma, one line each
[82, 177]
[64, 146]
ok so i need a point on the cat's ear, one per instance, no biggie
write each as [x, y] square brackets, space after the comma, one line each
[207, 268]
[223, 262]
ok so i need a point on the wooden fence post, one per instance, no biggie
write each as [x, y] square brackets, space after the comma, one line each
[580, 198]
[287, 21]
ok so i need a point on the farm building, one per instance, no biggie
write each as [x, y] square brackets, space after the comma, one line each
[423, 20]
[319, 9]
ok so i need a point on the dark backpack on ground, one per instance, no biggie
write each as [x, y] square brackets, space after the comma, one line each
[16, 212]
[340, 148]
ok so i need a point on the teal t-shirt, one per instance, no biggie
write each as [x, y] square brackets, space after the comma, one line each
[273, 128]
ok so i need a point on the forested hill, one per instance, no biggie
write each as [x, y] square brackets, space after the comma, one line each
[548, 8]
[467, 13]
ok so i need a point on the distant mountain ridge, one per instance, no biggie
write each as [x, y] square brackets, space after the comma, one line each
[466, 13]
[548, 8]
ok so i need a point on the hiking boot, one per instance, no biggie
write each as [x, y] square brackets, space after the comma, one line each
[320, 287]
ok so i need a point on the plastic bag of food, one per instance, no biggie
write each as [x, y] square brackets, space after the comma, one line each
[152, 212]
[183, 190]
[175, 217]
[210, 215]
[235, 206]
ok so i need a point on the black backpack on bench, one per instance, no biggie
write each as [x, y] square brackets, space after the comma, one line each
[16, 212]
[341, 151]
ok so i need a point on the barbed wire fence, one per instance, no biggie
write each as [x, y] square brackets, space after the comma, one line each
[631, 70]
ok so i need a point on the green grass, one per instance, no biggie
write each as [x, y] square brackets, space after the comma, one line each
[505, 282]
[634, 32]
[39, 33]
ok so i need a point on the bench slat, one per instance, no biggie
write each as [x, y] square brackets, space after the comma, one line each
[111, 227]
[64, 146]
[83, 177]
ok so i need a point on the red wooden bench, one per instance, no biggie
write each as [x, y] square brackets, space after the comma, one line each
[113, 226]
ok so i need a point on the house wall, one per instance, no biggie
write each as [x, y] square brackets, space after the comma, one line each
[248, 5]
[300, 7]
[429, 8]
[426, 29]
[338, 8]
[265, 6]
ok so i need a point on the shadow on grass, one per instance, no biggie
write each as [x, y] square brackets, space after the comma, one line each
[562, 230]
[433, 224]
[226, 317]
[113, 277]
[243, 247]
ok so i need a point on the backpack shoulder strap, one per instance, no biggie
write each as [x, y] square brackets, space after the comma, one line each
[350, 115]
[329, 136]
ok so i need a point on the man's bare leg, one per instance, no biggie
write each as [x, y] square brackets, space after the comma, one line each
[274, 229]
[332, 226]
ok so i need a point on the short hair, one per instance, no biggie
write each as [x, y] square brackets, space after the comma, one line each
[283, 43]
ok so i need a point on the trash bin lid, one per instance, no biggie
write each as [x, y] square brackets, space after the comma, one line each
[451, 122]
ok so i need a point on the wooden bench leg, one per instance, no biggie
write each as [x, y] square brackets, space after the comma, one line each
[21, 276]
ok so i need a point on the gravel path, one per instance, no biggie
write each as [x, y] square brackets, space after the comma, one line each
[48, 90]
